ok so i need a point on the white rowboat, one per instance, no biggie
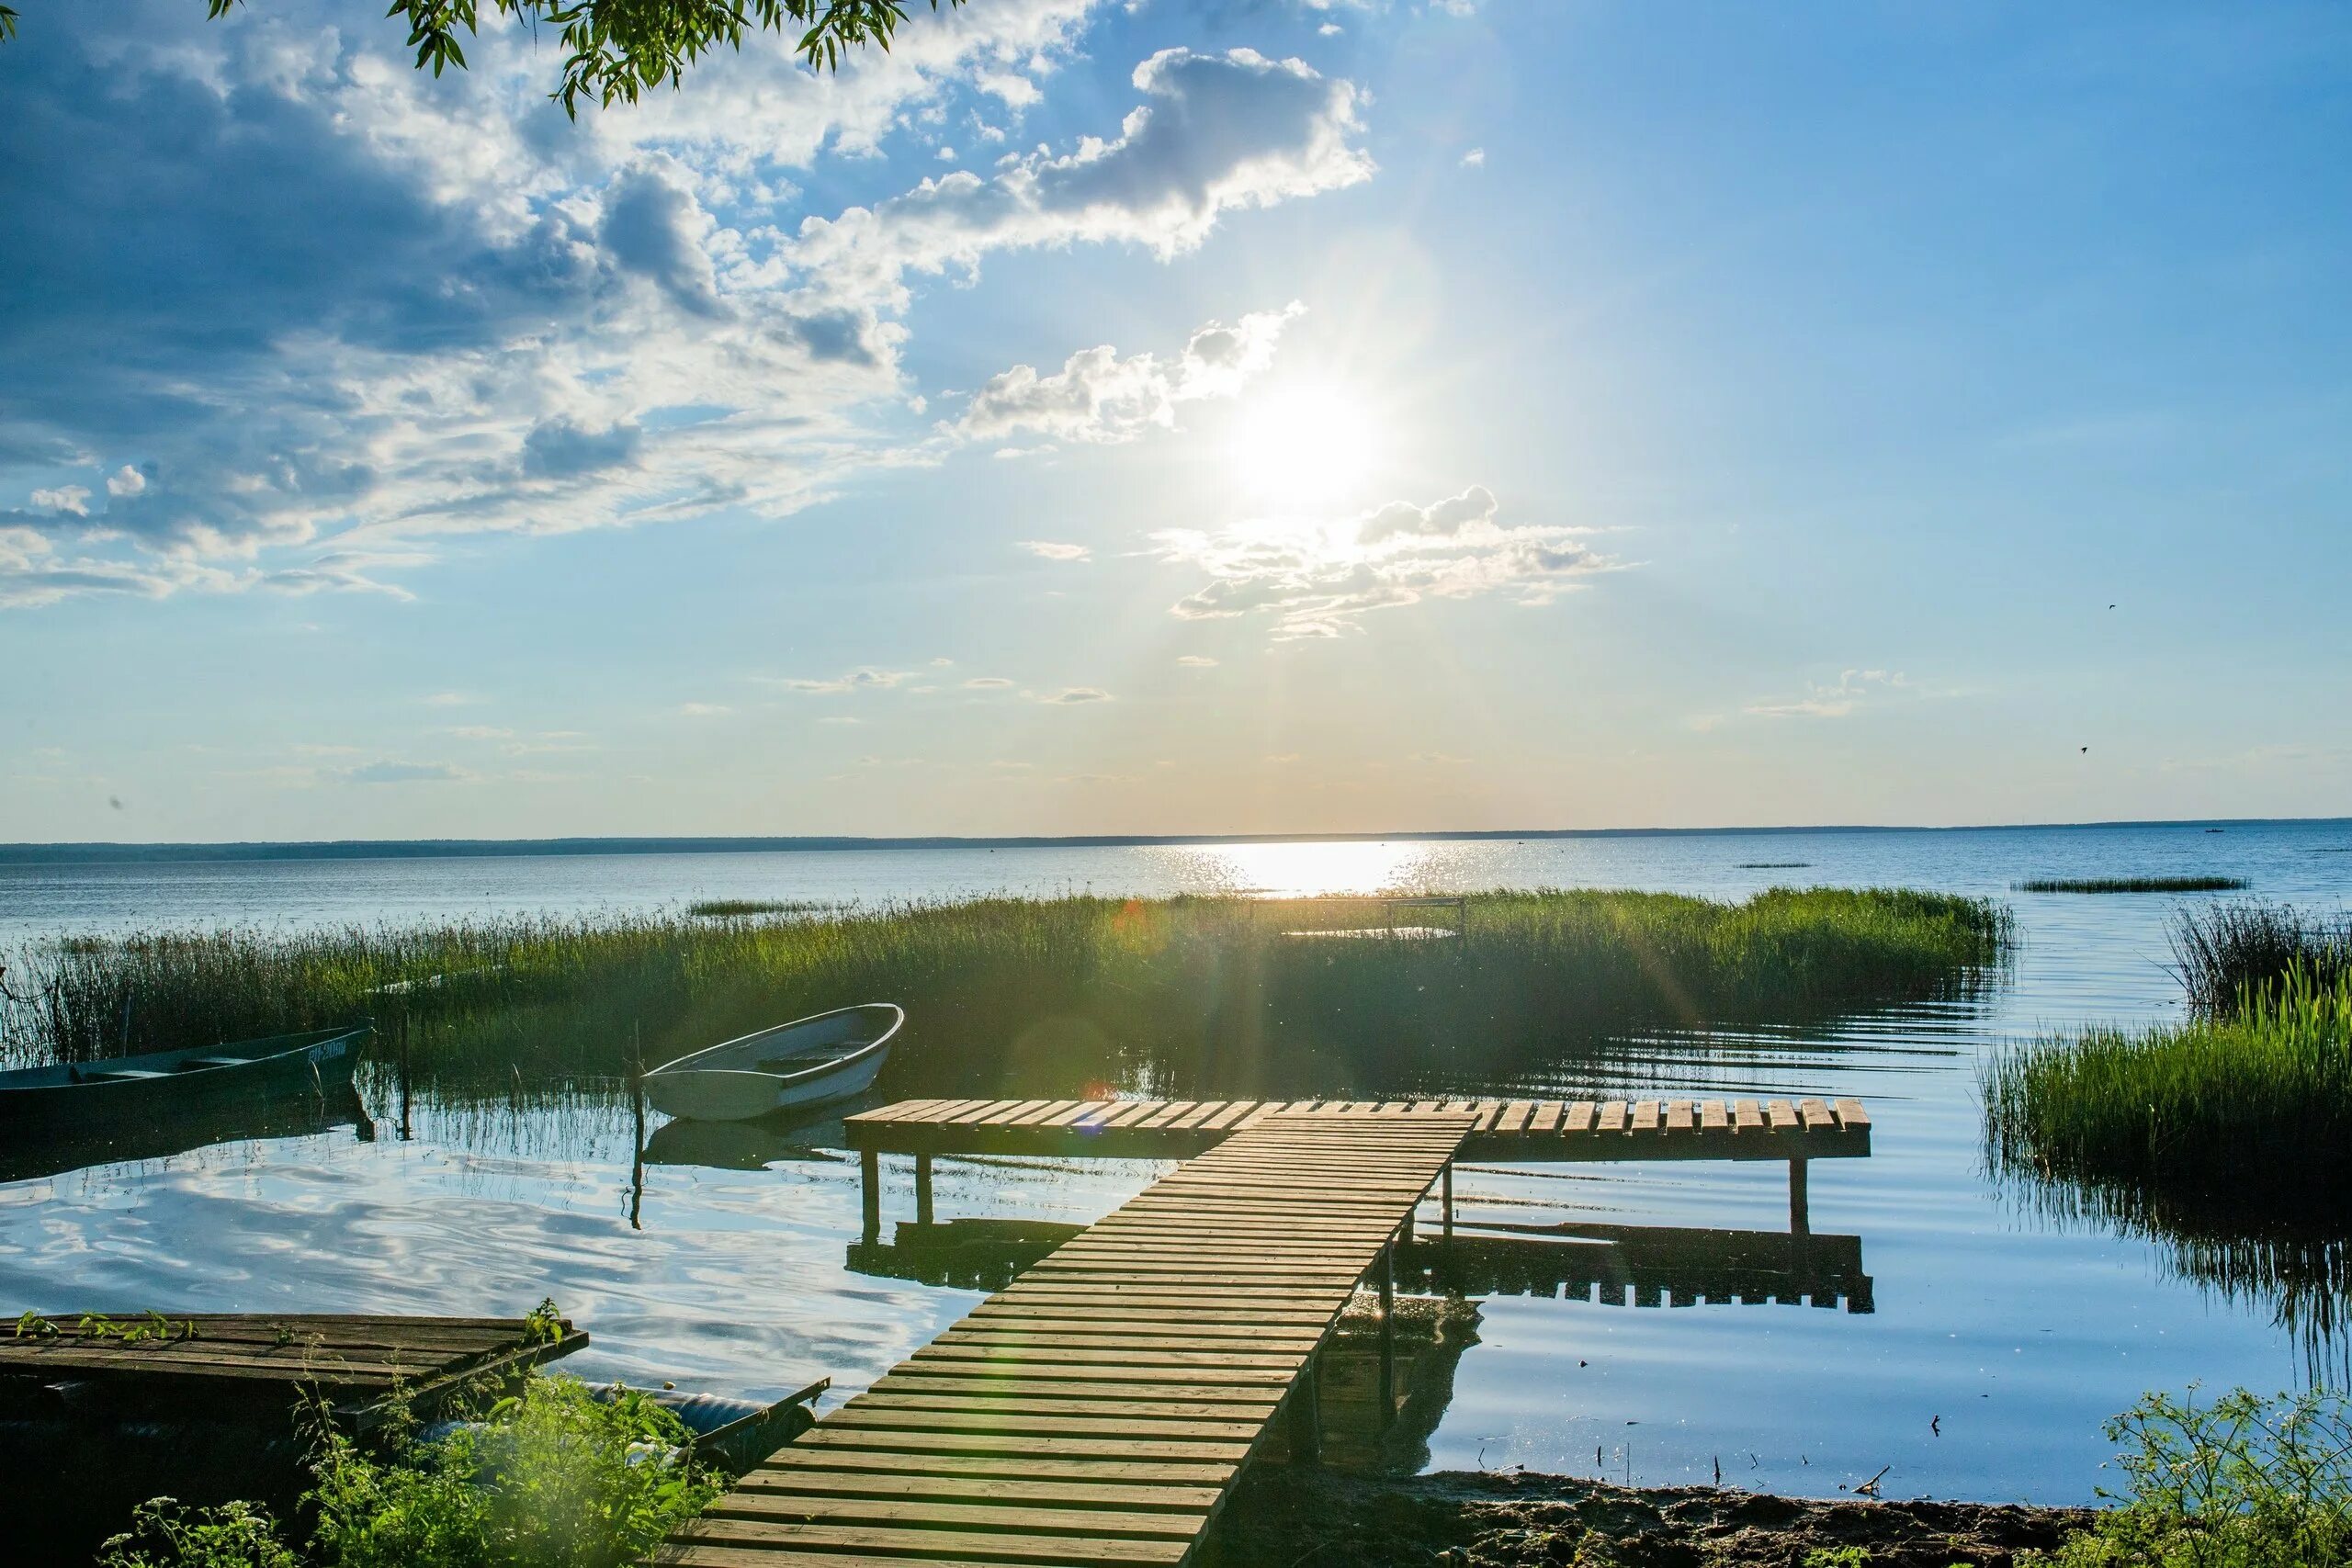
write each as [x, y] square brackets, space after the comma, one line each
[807, 1063]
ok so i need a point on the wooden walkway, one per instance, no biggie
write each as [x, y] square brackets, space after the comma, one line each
[1095, 1412]
[1526, 1132]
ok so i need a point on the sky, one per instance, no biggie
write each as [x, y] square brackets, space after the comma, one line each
[1232, 416]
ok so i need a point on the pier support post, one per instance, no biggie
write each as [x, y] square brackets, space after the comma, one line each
[1388, 1335]
[1306, 1414]
[1800, 1218]
[1800, 1233]
[922, 1190]
[869, 1182]
[1448, 1201]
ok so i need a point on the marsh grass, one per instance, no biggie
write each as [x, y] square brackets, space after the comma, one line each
[2227, 952]
[2257, 1103]
[1185, 994]
[2132, 885]
[737, 909]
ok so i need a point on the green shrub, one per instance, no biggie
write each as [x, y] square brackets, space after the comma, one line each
[165, 1535]
[559, 1476]
[2241, 1482]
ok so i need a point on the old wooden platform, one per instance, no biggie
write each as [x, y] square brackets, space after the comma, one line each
[352, 1360]
[1095, 1412]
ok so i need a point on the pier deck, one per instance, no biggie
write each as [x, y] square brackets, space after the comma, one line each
[1095, 1412]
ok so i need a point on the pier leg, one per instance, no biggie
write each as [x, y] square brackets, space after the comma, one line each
[922, 1190]
[1800, 1220]
[1800, 1233]
[869, 1182]
[1388, 1335]
[1412, 1216]
[1306, 1414]
[1449, 1199]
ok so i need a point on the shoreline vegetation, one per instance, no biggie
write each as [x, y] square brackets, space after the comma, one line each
[2132, 885]
[1185, 996]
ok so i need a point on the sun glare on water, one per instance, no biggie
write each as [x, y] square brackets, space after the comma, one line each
[1304, 446]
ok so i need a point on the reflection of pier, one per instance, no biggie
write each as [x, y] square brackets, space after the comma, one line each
[1098, 1408]
[1642, 1266]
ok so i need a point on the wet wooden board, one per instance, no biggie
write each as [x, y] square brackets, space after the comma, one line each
[1095, 1412]
[350, 1359]
[1525, 1131]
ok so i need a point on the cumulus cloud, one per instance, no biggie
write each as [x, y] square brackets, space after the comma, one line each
[1195, 660]
[275, 292]
[1474, 159]
[1853, 688]
[1098, 397]
[1319, 579]
[1048, 549]
[1071, 696]
[987, 684]
[703, 710]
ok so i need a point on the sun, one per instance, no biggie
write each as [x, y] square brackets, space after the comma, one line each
[1302, 445]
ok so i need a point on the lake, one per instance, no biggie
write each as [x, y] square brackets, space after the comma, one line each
[2000, 1335]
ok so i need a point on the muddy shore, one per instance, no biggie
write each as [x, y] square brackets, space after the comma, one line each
[1287, 1517]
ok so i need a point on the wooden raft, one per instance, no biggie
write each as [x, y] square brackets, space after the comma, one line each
[1534, 1131]
[353, 1360]
[1095, 1411]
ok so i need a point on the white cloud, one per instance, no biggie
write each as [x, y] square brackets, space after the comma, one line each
[1098, 397]
[1195, 660]
[74, 498]
[450, 699]
[1854, 687]
[987, 684]
[1070, 696]
[391, 773]
[524, 324]
[855, 681]
[1474, 159]
[1048, 549]
[1319, 579]
[703, 710]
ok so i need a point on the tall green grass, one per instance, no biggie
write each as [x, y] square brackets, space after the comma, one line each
[2226, 953]
[1045, 996]
[2257, 1101]
[2132, 885]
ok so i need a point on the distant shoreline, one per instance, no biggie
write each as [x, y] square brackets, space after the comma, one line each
[101, 853]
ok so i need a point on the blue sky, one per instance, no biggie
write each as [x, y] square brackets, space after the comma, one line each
[1179, 417]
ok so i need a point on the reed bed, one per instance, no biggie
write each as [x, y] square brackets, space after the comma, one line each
[2132, 885]
[2229, 953]
[2256, 1103]
[1045, 996]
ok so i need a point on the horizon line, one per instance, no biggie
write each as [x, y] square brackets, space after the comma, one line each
[73, 851]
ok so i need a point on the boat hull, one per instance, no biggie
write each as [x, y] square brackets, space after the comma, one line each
[162, 1085]
[789, 1069]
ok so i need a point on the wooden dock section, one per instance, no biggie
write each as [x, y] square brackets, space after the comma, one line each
[1095, 1412]
[185, 1361]
[1526, 1132]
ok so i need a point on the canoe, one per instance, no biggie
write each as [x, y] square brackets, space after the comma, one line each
[809, 1062]
[161, 1083]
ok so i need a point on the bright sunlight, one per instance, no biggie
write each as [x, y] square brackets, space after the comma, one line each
[1305, 445]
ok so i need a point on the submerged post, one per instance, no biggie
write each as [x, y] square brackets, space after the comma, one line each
[922, 1190]
[1449, 1199]
[869, 1182]
[1800, 1220]
[1306, 1415]
[1388, 1335]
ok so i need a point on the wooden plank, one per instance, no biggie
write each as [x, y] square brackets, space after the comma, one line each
[935, 1513]
[1131, 1497]
[970, 1545]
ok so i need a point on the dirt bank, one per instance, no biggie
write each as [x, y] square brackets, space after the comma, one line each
[1284, 1517]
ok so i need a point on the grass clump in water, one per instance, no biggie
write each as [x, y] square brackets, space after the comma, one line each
[2258, 1101]
[1026, 996]
[557, 1476]
[2241, 1482]
[2229, 953]
[2132, 884]
[736, 909]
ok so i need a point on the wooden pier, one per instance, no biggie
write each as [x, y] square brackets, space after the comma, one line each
[1529, 1132]
[1095, 1412]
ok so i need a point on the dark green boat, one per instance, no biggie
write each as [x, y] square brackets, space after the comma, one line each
[155, 1086]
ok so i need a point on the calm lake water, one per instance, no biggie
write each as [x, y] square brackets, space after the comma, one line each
[2000, 1337]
